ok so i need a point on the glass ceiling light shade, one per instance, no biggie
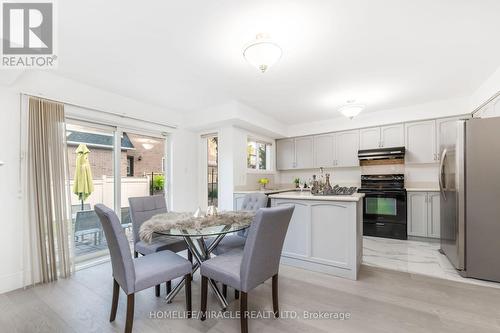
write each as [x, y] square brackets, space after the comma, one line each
[351, 110]
[148, 146]
[262, 52]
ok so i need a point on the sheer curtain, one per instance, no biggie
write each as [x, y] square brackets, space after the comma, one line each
[49, 248]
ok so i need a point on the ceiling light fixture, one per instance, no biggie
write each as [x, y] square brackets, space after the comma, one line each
[148, 146]
[351, 110]
[262, 52]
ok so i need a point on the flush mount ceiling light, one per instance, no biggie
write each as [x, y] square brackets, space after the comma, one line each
[262, 52]
[148, 146]
[351, 110]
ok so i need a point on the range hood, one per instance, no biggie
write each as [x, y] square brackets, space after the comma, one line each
[394, 155]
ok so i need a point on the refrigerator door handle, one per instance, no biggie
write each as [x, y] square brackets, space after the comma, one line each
[441, 174]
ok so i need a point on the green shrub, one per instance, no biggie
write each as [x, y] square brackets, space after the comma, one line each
[158, 182]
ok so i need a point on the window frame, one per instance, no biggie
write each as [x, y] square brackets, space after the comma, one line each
[269, 156]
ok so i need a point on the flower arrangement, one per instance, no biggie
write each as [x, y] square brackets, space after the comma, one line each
[263, 182]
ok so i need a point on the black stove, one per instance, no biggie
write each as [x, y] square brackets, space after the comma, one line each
[384, 206]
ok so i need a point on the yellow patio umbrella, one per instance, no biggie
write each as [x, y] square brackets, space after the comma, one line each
[84, 185]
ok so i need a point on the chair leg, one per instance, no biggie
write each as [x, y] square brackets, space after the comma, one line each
[190, 256]
[244, 312]
[169, 287]
[275, 296]
[187, 288]
[136, 254]
[130, 313]
[236, 294]
[204, 291]
[224, 290]
[114, 303]
[157, 290]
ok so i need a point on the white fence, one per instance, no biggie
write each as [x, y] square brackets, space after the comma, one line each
[104, 191]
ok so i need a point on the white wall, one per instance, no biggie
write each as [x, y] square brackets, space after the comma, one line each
[184, 170]
[183, 162]
[484, 92]
[11, 234]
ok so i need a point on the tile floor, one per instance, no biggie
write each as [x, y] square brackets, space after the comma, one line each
[418, 256]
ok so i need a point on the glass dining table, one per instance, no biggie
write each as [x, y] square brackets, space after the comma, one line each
[201, 242]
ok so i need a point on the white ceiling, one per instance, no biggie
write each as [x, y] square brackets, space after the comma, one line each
[187, 55]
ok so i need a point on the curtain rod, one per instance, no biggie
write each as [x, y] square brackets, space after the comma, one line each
[101, 111]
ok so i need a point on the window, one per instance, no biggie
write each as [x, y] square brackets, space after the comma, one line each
[213, 170]
[258, 155]
[130, 166]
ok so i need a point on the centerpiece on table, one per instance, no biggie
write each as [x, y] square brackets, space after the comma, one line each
[263, 182]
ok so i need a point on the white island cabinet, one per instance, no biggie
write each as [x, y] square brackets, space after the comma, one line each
[325, 233]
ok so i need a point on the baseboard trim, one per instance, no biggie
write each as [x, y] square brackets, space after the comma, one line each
[9, 282]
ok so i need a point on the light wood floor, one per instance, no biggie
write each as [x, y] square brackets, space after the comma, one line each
[380, 301]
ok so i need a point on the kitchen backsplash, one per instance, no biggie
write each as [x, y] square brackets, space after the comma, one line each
[425, 173]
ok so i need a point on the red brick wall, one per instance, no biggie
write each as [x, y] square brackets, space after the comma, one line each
[101, 160]
[150, 160]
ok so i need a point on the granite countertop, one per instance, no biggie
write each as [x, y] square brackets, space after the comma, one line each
[297, 195]
[270, 191]
[422, 187]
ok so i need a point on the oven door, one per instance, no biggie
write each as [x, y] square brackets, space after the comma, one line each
[384, 206]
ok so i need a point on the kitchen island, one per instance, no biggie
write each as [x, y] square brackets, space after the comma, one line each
[325, 233]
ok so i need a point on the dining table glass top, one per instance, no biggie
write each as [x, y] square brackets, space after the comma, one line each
[205, 231]
[187, 225]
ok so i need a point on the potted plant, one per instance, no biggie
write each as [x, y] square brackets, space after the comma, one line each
[263, 182]
[296, 181]
[158, 184]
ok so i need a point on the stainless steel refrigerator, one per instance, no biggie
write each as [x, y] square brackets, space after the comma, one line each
[469, 181]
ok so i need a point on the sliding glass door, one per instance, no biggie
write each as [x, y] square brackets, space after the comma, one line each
[90, 184]
[120, 164]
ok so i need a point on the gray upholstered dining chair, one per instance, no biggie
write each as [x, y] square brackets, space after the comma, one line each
[251, 202]
[258, 261]
[134, 275]
[141, 210]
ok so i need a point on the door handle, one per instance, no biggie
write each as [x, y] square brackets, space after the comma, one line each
[441, 174]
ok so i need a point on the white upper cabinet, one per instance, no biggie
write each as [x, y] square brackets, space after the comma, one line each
[324, 150]
[369, 138]
[392, 136]
[304, 153]
[346, 148]
[382, 137]
[421, 142]
[446, 133]
[285, 154]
